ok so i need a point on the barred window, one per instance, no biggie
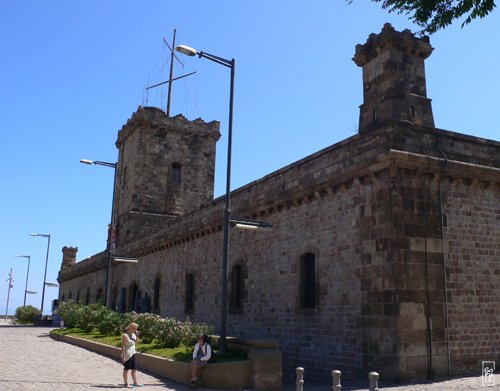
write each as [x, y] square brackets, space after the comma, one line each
[176, 173]
[308, 281]
[189, 306]
[156, 296]
[236, 299]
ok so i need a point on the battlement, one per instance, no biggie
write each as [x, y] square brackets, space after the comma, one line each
[153, 118]
[404, 41]
[394, 85]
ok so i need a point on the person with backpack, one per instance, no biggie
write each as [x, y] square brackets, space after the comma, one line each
[201, 356]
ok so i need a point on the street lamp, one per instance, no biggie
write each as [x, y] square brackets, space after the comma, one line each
[27, 274]
[109, 246]
[11, 285]
[189, 51]
[46, 263]
[252, 225]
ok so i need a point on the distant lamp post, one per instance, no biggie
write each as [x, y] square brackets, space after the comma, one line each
[189, 51]
[46, 263]
[11, 285]
[27, 275]
[110, 246]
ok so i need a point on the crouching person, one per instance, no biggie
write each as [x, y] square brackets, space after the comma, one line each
[201, 354]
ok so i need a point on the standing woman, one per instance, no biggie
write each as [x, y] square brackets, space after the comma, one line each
[128, 354]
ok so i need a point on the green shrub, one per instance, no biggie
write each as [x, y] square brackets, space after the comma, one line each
[27, 314]
[149, 326]
[112, 323]
[70, 312]
[167, 332]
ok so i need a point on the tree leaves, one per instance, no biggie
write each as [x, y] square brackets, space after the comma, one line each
[433, 15]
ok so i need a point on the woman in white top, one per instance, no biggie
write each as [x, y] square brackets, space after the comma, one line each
[128, 354]
[201, 354]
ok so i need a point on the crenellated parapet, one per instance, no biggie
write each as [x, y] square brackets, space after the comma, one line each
[155, 118]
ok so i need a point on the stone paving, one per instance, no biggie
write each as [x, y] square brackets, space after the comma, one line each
[31, 360]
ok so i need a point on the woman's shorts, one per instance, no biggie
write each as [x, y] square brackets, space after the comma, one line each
[130, 364]
[199, 363]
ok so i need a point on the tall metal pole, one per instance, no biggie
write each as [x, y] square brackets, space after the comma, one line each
[107, 296]
[11, 284]
[227, 221]
[189, 51]
[27, 275]
[171, 75]
[45, 274]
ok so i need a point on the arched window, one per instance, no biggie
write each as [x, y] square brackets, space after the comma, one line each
[123, 300]
[87, 297]
[308, 281]
[189, 307]
[176, 173]
[99, 295]
[132, 297]
[114, 297]
[156, 297]
[236, 298]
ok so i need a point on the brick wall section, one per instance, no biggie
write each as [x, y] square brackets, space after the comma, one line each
[473, 272]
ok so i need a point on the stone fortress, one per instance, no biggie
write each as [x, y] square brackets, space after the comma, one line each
[385, 248]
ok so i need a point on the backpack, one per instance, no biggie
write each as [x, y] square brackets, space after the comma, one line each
[213, 356]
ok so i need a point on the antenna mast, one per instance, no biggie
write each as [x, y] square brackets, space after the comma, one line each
[172, 55]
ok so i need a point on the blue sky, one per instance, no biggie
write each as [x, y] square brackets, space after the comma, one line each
[73, 72]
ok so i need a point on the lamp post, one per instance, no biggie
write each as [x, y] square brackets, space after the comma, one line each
[46, 263]
[27, 275]
[11, 285]
[107, 301]
[227, 210]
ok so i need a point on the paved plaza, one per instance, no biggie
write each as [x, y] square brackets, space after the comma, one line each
[31, 360]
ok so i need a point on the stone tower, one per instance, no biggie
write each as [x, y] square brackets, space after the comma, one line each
[69, 257]
[165, 169]
[394, 86]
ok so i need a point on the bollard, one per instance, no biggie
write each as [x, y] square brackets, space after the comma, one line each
[373, 377]
[300, 379]
[336, 380]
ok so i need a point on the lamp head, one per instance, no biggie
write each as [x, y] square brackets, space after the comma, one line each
[44, 235]
[188, 51]
[86, 161]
